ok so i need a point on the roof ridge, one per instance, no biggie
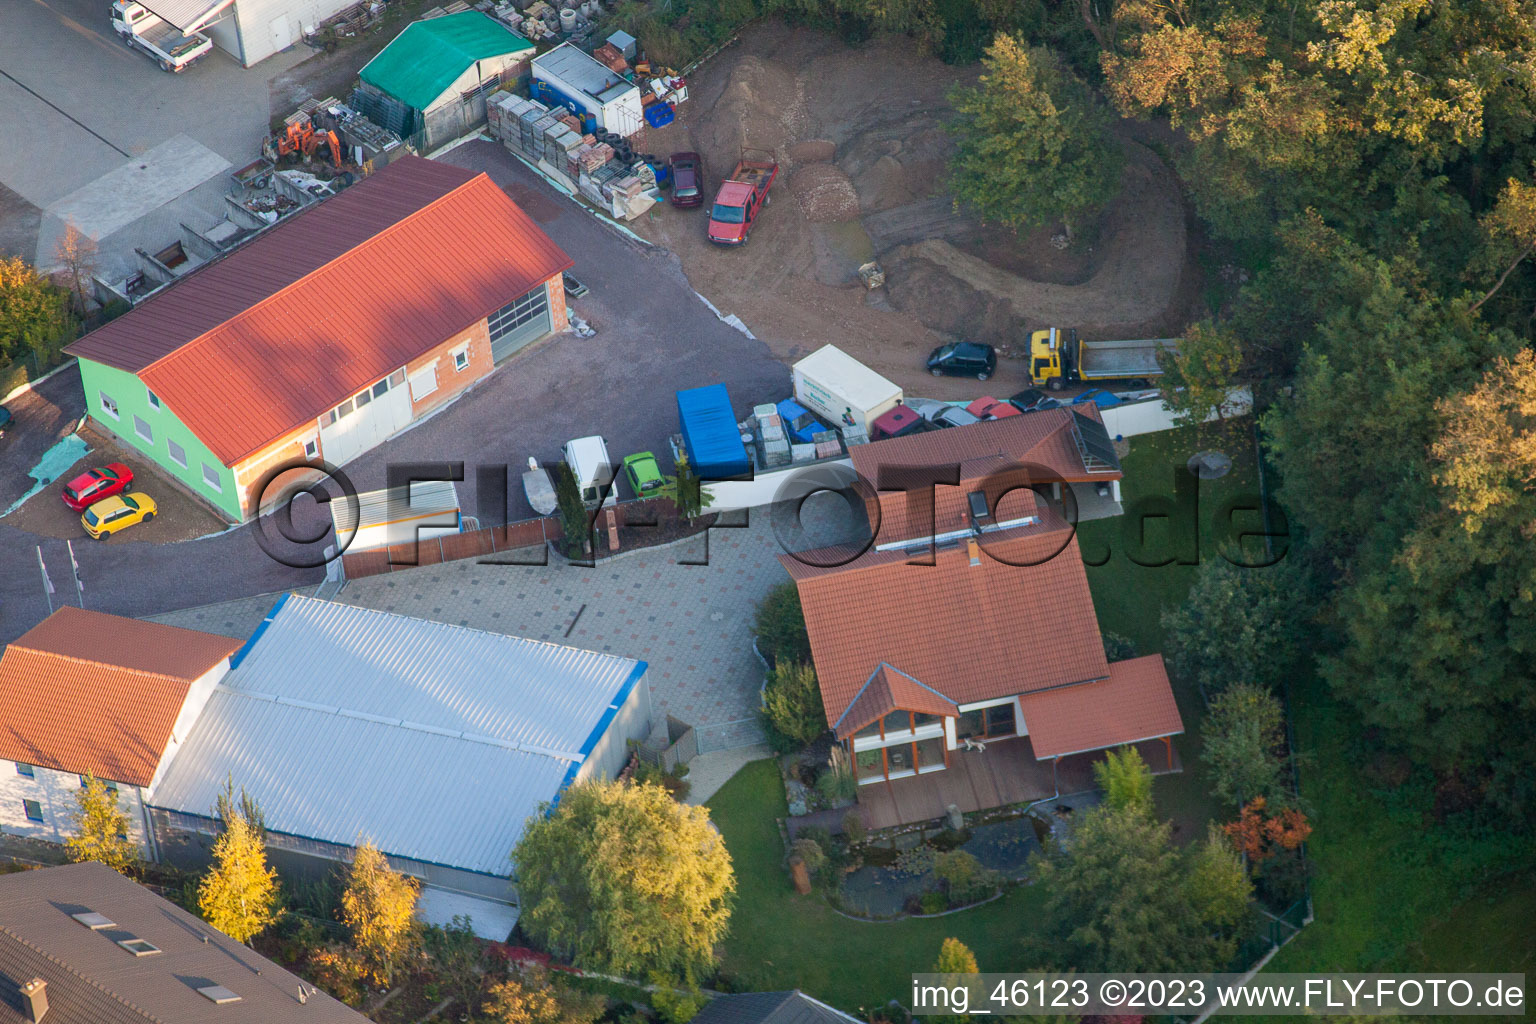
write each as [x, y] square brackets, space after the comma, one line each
[919, 682]
[95, 663]
[260, 303]
[87, 980]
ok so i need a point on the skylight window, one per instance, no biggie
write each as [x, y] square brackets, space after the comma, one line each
[139, 947]
[218, 994]
[94, 921]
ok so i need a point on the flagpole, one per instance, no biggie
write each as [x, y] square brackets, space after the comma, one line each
[47, 583]
[75, 571]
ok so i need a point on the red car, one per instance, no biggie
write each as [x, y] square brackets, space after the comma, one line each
[88, 488]
[687, 180]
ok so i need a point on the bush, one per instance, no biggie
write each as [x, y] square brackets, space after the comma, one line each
[1244, 732]
[933, 902]
[965, 877]
[853, 827]
[1125, 779]
[792, 706]
[810, 853]
[341, 971]
[779, 627]
[837, 786]
[1118, 648]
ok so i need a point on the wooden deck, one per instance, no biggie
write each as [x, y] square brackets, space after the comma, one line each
[1005, 773]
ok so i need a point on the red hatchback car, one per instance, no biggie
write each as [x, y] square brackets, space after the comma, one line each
[88, 488]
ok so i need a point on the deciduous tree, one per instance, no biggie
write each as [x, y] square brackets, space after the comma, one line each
[239, 894]
[1125, 779]
[1118, 898]
[955, 957]
[34, 313]
[1238, 625]
[75, 254]
[1032, 144]
[624, 879]
[1242, 736]
[1199, 373]
[378, 907]
[1218, 886]
[100, 828]
[526, 997]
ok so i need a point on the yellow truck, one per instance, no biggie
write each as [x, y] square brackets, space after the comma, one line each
[1057, 357]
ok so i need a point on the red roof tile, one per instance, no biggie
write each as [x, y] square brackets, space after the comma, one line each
[88, 692]
[250, 346]
[890, 689]
[971, 632]
[1134, 703]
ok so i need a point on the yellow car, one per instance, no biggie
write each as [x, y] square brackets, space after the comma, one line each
[112, 515]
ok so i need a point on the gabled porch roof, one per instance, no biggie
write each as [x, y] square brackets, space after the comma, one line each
[889, 689]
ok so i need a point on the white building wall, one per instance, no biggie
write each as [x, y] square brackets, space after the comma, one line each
[197, 697]
[55, 793]
[260, 39]
[476, 74]
[633, 722]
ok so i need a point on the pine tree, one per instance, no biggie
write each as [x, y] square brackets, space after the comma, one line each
[378, 908]
[239, 894]
[100, 828]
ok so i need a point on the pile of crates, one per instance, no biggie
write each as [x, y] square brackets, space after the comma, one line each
[772, 442]
[551, 137]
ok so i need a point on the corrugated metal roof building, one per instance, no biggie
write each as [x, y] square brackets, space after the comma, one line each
[325, 335]
[435, 741]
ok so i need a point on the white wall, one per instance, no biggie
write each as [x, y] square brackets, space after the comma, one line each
[55, 791]
[490, 67]
[1134, 418]
[196, 699]
[633, 722]
[764, 487]
[254, 19]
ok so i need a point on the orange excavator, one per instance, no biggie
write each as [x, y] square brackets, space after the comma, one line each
[299, 136]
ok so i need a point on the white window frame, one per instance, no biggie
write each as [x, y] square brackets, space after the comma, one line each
[461, 358]
[108, 405]
[147, 434]
[153, 399]
[428, 372]
[171, 448]
[312, 448]
[211, 479]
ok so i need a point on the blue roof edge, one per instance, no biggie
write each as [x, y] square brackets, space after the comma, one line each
[239, 656]
[603, 722]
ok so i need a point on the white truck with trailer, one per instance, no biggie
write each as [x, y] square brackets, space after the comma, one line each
[842, 390]
[144, 30]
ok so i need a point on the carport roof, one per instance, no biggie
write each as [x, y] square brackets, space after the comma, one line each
[1135, 703]
[187, 15]
[425, 59]
[247, 348]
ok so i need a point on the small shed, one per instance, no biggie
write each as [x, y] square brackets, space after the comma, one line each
[586, 85]
[428, 509]
[431, 81]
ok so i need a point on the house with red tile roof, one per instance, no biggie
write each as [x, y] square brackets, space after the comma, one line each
[86, 693]
[958, 652]
[326, 334]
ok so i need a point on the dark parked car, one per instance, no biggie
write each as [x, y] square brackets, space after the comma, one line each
[687, 179]
[5, 419]
[963, 359]
[1031, 399]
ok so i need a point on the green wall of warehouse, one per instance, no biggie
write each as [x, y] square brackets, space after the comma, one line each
[132, 399]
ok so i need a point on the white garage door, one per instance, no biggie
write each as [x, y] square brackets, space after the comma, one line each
[365, 419]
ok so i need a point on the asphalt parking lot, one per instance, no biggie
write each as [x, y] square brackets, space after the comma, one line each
[654, 337]
[80, 112]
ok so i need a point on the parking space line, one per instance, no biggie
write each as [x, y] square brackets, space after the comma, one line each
[74, 120]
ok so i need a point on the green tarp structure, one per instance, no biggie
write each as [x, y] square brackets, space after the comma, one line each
[428, 56]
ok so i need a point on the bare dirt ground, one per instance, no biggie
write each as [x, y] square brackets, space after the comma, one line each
[859, 134]
[180, 516]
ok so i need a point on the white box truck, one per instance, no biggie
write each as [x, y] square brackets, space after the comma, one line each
[842, 390]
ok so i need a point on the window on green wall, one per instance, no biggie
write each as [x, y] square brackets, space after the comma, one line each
[154, 399]
[211, 478]
[178, 453]
[141, 427]
[108, 406]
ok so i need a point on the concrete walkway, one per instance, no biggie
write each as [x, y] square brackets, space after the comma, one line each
[708, 772]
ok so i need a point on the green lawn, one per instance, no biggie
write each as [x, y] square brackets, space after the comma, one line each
[782, 940]
[1392, 889]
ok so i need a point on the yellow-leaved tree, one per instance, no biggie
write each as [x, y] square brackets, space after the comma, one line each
[239, 894]
[101, 828]
[378, 908]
